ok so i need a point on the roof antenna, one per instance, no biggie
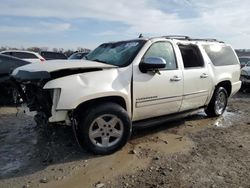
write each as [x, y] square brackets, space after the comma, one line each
[140, 36]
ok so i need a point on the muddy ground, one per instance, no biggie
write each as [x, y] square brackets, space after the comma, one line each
[193, 152]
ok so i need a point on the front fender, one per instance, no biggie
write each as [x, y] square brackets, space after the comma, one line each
[78, 88]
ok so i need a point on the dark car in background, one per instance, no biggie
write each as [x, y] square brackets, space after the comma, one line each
[78, 55]
[8, 94]
[52, 55]
[245, 76]
[244, 60]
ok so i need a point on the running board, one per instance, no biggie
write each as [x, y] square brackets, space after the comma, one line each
[163, 119]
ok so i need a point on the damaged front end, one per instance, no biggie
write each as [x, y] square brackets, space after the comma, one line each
[44, 101]
[30, 87]
[31, 81]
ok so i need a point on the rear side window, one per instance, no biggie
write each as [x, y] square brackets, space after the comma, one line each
[191, 56]
[221, 55]
[24, 55]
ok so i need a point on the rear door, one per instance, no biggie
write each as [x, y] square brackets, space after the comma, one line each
[197, 82]
[158, 94]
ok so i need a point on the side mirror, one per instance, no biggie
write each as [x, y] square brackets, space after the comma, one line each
[152, 64]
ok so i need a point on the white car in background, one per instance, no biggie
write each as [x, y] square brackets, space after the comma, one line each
[32, 57]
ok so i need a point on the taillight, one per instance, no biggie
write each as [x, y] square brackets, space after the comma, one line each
[42, 60]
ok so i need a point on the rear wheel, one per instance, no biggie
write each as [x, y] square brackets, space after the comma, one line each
[104, 129]
[218, 103]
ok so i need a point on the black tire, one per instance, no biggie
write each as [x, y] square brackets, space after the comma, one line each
[96, 120]
[216, 107]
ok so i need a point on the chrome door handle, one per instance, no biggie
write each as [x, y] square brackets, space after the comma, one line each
[204, 75]
[175, 79]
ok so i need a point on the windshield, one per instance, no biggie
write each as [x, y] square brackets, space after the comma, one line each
[118, 53]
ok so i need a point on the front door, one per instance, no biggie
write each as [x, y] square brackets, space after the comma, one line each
[157, 94]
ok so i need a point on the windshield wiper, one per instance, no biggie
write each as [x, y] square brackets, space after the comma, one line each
[101, 61]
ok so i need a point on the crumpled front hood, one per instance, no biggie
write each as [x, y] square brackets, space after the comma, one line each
[55, 69]
[55, 65]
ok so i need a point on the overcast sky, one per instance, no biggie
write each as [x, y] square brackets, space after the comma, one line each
[87, 23]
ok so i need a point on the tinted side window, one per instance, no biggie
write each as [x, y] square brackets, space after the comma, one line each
[221, 55]
[53, 55]
[191, 56]
[60, 56]
[165, 51]
[24, 55]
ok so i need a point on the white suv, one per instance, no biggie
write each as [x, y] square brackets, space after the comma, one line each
[32, 57]
[139, 82]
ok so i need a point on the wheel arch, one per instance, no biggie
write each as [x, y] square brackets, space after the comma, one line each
[81, 108]
[227, 85]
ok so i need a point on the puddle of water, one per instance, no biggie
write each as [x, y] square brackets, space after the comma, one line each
[198, 122]
[226, 120]
[15, 154]
[10, 167]
[17, 139]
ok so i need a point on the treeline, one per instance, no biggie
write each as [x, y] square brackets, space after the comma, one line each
[67, 52]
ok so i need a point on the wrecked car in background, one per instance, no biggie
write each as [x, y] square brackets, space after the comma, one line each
[8, 93]
[244, 60]
[245, 75]
[139, 82]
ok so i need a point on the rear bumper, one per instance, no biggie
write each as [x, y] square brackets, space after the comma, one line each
[235, 87]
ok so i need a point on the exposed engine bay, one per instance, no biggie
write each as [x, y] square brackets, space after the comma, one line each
[30, 87]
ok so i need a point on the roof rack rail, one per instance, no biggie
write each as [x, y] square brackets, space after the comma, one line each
[183, 37]
[177, 37]
[207, 40]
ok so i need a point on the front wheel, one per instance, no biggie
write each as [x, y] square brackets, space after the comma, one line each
[104, 128]
[218, 103]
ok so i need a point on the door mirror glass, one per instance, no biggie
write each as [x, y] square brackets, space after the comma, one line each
[152, 63]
